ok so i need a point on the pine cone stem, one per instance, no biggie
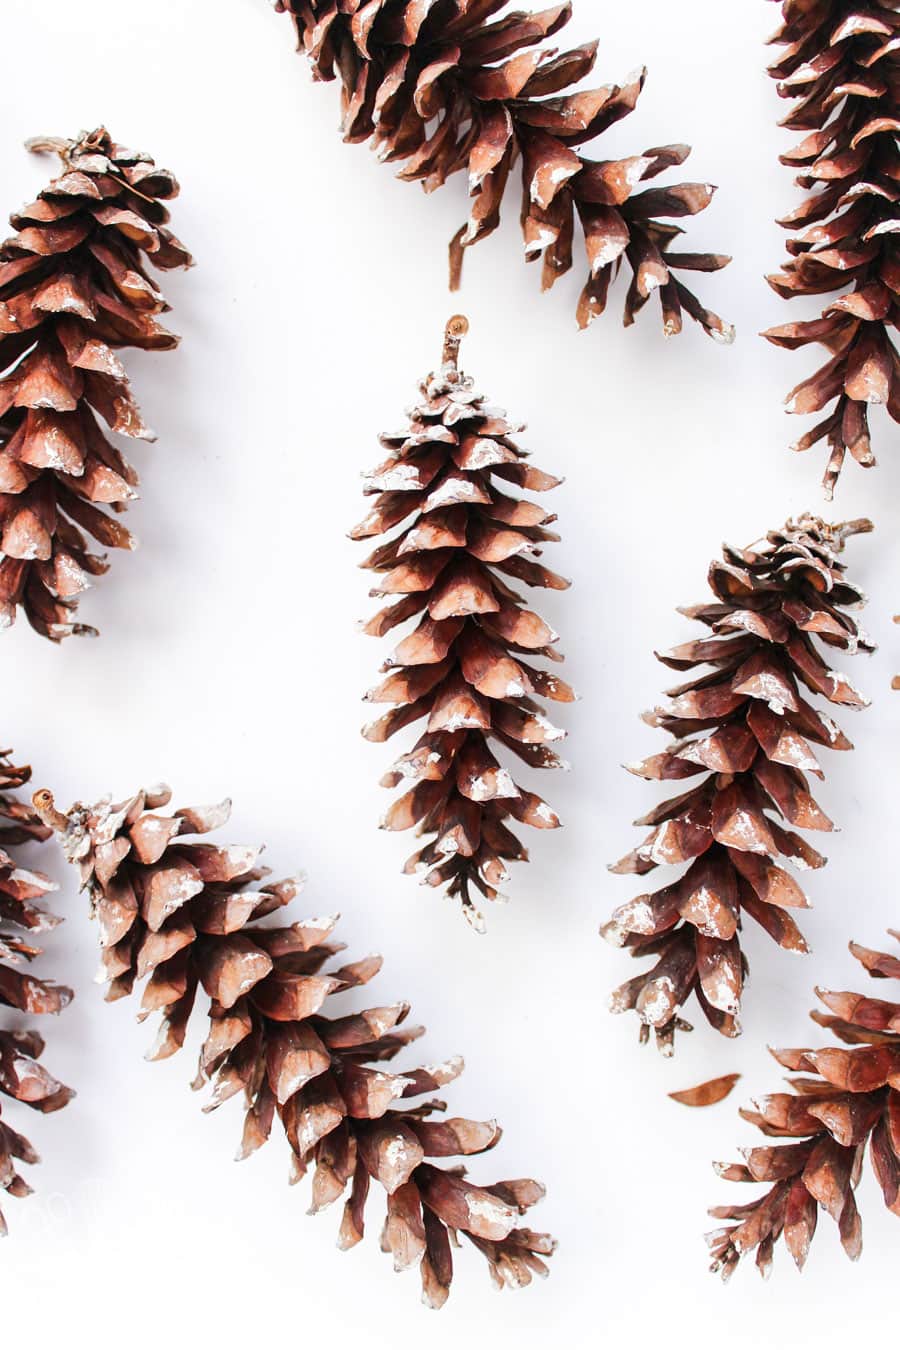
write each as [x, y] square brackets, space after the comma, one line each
[455, 331]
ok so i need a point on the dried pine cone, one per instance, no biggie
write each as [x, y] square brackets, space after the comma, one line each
[183, 914]
[73, 290]
[462, 667]
[852, 1102]
[747, 726]
[21, 1077]
[841, 65]
[441, 90]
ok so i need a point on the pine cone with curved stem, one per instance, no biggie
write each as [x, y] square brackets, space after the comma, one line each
[848, 1105]
[746, 726]
[74, 291]
[841, 66]
[186, 916]
[22, 1078]
[441, 89]
[462, 541]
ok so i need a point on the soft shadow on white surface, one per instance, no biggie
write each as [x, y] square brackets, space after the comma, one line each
[229, 663]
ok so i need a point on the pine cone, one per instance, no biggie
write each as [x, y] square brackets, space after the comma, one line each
[461, 668]
[842, 66]
[21, 1077]
[73, 290]
[183, 914]
[748, 725]
[851, 1102]
[442, 90]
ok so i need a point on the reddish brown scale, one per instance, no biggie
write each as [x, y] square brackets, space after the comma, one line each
[746, 725]
[466, 671]
[463, 86]
[845, 1106]
[841, 67]
[74, 291]
[187, 918]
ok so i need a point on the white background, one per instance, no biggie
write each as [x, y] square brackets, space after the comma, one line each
[229, 663]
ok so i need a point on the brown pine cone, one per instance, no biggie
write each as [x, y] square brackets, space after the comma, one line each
[21, 1077]
[747, 726]
[841, 65]
[851, 1103]
[74, 289]
[185, 914]
[462, 667]
[440, 89]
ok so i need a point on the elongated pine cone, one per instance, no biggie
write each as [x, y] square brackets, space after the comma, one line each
[748, 728]
[184, 914]
[462, 667]
[74, 289]
[22, 1078]
[841, 66]
[850, 1103]
[439, 89]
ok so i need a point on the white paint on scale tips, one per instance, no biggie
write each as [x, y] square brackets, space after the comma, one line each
[658, 1001]
[460, 721]
[551, 733]
[452, 490]
[485, 1209]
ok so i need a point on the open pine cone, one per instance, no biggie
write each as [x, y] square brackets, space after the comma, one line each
[746, 726]
[22, 1078]
[462, 668]
[185, 915]
[841, 66]
[850, 1104]
[74, 290]
[444, 87]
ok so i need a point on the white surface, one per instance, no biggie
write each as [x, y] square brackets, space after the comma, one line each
[229, 663]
